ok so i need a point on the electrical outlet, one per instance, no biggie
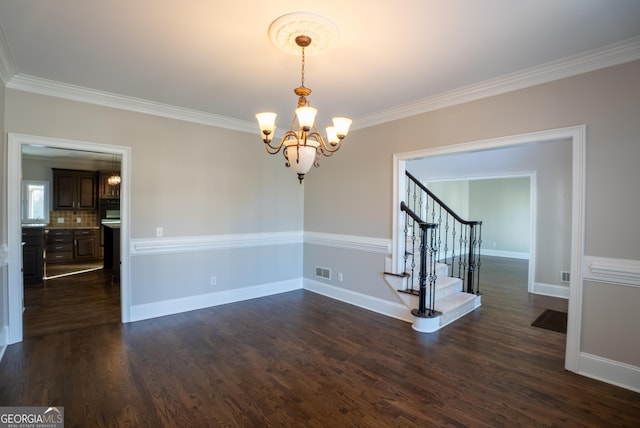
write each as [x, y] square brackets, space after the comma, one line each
[159, 232]
[78, 219]
[340, 277]
[213, 280]
[60, 219]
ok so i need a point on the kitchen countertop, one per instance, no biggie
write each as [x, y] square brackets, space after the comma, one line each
[60, 227]
[73, 227]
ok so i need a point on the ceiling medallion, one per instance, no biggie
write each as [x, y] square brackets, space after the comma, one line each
[284, 30]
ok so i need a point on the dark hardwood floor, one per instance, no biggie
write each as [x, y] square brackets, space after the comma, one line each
[299, 359]
[70, 302]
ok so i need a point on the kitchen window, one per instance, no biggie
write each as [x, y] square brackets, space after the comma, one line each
[35, 201]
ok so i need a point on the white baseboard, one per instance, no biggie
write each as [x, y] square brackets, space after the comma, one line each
[551, 290]
[507, 254]
[609, 371]
[374, 304]
[191, 303]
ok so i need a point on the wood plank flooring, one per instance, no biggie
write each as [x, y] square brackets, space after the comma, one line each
[299, 359]
[71, 302]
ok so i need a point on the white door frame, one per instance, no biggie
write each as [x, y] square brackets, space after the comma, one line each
[14, 230]
[577, 136]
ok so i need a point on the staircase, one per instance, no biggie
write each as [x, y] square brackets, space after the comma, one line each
[440, 280]
[451, 301]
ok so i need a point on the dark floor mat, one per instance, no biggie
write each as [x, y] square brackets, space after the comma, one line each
[552, 320]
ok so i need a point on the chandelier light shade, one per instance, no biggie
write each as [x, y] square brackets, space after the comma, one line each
[302, 145]
[114, 179]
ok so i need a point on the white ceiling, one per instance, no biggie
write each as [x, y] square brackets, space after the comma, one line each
[214, 59]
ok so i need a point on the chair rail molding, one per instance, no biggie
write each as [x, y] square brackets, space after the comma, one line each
[611, 270]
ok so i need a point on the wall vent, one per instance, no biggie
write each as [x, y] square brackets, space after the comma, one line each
[565, 276]
[324, 273]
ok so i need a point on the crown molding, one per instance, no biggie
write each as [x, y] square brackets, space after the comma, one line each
[617, 53]
[52, 88]
[607, 56]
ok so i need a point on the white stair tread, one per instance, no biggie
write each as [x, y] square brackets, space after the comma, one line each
[453, 301]
[448, 281]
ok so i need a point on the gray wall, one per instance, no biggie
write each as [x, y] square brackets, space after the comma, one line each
[502, 204]
[359, 179]
[194, 181]
[504, 207]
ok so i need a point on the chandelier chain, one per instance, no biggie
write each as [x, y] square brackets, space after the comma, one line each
[302, 70]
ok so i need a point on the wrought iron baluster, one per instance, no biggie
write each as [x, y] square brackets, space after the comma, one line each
[458, 244]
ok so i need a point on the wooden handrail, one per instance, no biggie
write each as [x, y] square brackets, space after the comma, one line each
[441, 203]
[423, 224]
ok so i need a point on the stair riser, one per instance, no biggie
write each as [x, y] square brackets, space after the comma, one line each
[458, 312]
[446, 287]
[442, 270]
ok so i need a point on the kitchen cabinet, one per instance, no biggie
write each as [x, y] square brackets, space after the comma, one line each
[59, 245]
[86, 244]
[71, 245]
[32, 255]
[112, 250]
[108, 191]
[75, 189]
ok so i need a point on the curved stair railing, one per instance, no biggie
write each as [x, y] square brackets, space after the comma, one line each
[453, 241]
[427, 270]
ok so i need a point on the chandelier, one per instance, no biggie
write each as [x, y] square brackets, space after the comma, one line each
[302, 145]
[114, 179]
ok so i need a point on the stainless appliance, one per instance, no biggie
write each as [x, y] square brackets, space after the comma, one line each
[109, 209]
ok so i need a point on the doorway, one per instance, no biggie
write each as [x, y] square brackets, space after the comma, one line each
[506, 203]
[16, 144]
[576, 136]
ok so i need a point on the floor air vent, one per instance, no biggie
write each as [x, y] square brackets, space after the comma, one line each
[565, 276]
[323, 272]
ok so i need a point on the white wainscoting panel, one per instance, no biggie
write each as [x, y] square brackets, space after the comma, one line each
[609, 371]
[623, 272]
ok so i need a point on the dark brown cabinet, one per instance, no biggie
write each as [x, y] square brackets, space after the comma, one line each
[59, 245]
[70, 245]
[108, 191]
[32, 255]
[86, 244]
[75, 189]
[112, 250]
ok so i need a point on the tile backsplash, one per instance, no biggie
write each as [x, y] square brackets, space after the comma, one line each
[87, 219]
